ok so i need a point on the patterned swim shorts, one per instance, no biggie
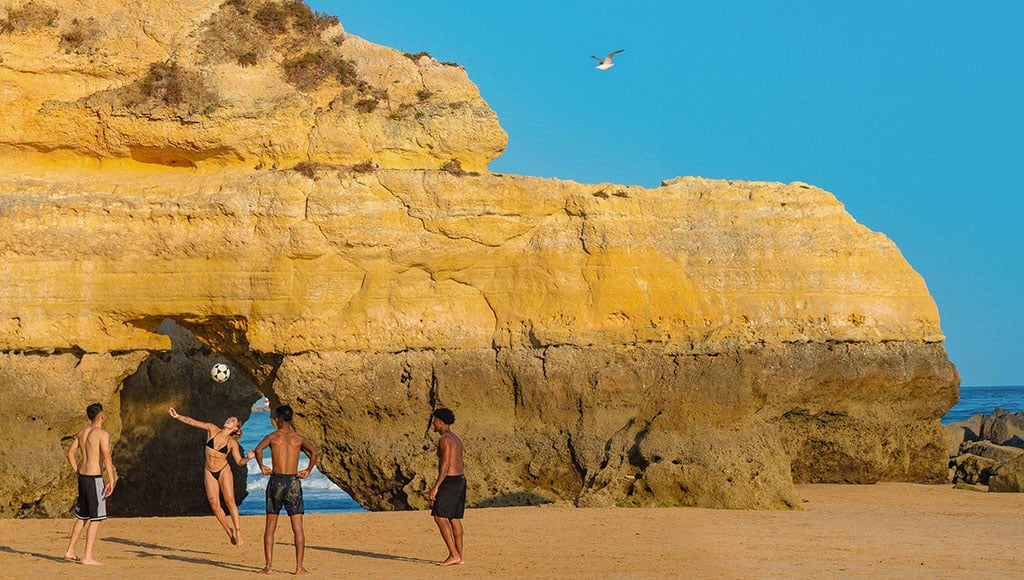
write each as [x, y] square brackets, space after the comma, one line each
[284, 491]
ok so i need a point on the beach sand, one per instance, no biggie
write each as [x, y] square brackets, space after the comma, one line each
[843, 531]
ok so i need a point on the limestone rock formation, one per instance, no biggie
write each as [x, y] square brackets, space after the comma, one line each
[332, 230]
[1008, 476]
[973, 469]
[214, 83]
[1003, 428]
[988, 450]
[45, 395]
[997, 453]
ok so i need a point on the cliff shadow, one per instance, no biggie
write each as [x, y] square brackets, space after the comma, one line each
[161, 460]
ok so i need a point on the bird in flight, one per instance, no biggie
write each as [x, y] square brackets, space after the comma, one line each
[607, 62]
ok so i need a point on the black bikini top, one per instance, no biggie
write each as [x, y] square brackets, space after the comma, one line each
[224, 450]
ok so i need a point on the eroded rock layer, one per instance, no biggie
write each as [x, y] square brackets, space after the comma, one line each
[332, 231]
[597, 349]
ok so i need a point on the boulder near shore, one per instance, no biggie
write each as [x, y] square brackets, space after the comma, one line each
[184, 182]
[987, 451]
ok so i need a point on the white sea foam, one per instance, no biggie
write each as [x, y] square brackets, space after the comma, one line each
[316, 480]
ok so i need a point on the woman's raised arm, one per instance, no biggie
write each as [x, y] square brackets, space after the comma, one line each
[191, 421]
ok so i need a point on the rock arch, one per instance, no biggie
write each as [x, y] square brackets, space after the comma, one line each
[161, 460]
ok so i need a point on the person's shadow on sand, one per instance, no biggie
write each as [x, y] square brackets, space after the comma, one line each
[149, 546]
[50, 557]
[374, 555]
[177, 558]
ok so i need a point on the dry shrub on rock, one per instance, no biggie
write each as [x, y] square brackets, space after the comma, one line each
[279, 17]
[311, 69]
[81, 36]
[248, 31]
[27, 17]
[232, 36]
[176, 86]
[167, 87]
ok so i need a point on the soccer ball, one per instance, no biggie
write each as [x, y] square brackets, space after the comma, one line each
[220, 372]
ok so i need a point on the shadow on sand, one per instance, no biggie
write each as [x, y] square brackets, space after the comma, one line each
[177, 558]
[50, 557]
[374, 555]
[149, 546]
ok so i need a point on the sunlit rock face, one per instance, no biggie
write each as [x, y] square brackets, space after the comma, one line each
[45, 394]
[332, 231]
[208, 84]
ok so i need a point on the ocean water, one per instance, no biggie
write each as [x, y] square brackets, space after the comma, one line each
[984, 400]
[322, 496]
[319, 494]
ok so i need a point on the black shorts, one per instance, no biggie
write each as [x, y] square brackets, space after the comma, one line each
[91, 504]
[284, 491]
[450, 501]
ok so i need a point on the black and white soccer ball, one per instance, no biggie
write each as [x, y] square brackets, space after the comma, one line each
[220, 372]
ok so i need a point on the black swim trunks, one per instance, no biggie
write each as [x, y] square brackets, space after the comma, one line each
[450, 501]
[91, 504]
[284, 491]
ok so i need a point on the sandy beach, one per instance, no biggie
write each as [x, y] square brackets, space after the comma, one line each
[884, 530]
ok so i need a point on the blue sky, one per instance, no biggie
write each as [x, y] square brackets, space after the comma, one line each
[911, 113]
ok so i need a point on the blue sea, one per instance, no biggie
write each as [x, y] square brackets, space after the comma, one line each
[984, 400]
[322, 496]
[319, 494]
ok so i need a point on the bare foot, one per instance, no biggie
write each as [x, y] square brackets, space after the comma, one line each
[71, 557]
[451, 562]
[301, 572]
[92, 562]
[231, 538]
[238, 540]
[267, 570]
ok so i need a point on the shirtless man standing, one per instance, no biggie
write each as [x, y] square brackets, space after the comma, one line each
[285, 488]
[91, 507]
[449, 492]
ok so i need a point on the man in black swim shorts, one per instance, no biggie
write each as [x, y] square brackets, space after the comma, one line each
[448, 495]
[285, 487]
[284, 491]
[93, 442]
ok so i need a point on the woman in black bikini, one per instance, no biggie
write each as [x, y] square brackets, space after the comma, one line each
[217, 476]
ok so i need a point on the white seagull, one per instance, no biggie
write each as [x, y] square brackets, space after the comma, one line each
[607, 62]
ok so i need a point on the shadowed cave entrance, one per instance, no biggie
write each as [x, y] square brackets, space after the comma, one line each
[160, 460]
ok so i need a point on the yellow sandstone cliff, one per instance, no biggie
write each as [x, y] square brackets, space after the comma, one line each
[318, 209]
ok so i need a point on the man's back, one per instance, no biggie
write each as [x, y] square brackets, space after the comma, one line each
[94, 445]
[449, 450]
[285, 445]
[284, 488]
[91, 441]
